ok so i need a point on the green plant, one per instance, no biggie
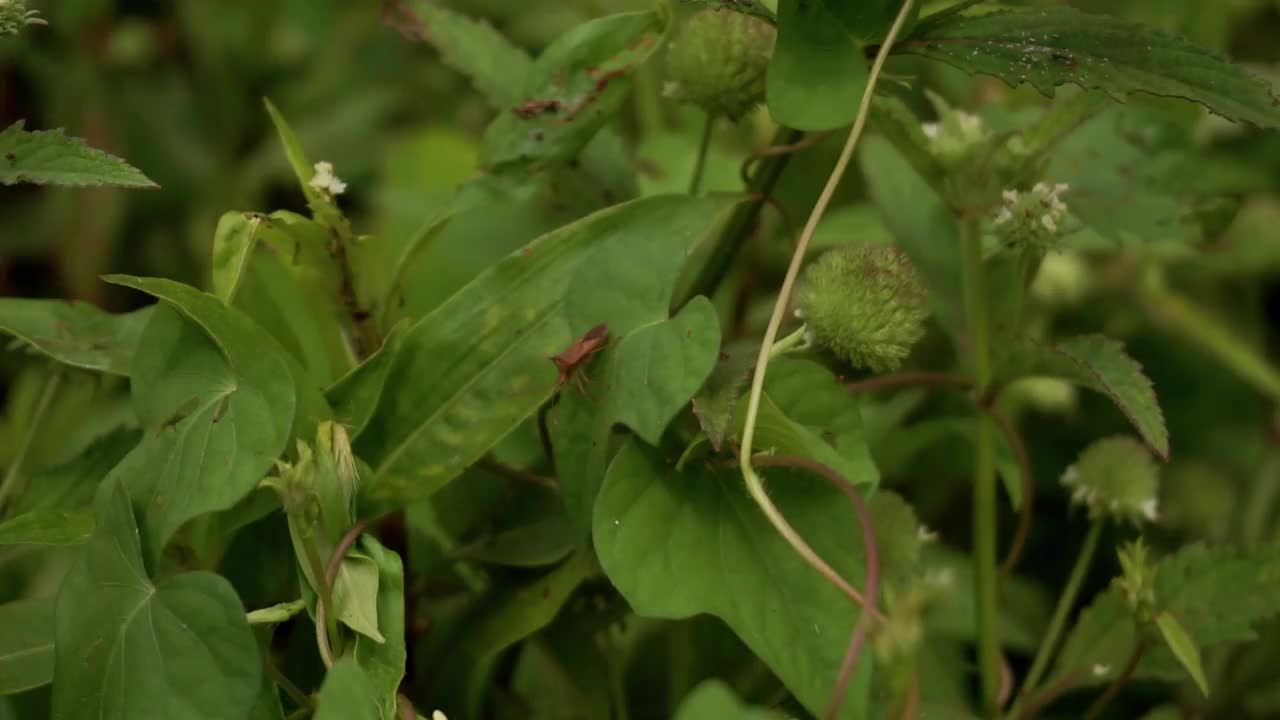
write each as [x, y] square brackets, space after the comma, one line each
[555, 447]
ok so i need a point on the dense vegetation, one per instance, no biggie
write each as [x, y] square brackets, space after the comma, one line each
[629, 359]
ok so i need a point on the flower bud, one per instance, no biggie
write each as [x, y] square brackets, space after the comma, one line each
[719, 61]
[1032, 219]
[864, 303]
[1117, 477]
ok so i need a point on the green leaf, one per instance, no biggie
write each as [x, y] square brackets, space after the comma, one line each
[277, 613]
[383, 663]
[1057, 45]
[71, 486]
[499, 621]
[546, 541]
[717, 400]
[573, 89]
[494, 66]
[356, 395]
[26, 645]
[713, 700]
[1217, 595]
[217, 405]
[478, 366]
[921, 224]
[818, 73]
[48, 157]
[234, 241]
[75, 333]
[1183, 648]
[47, 527]
[302, 168]
[131, 649]
[679, 544]
[355, 594]
[1100, 364]
[346, 694]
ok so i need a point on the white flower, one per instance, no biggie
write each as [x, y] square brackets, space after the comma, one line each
[924, 534]
[1100, 670]
[1149, 509]
[1010, 197]
[437, 715]
[325, 181]
[1049, 223]
[932, 130]
[1004, 216]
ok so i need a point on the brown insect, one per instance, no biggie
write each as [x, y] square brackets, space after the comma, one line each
[578, 354]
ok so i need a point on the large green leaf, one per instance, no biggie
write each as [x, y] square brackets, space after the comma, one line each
[131, 649]
[48, 157]
[494, 66]
[1052, 46]
[47, 527]
[679, 544]
[574, 87]
[217, 404]
[1100, 364]
[818, 73]
[476, 367]
[355, 396]
[346, 694]
[1216, 595]
[26, 645]
[75, 333]
[922, 225]
[713, 700]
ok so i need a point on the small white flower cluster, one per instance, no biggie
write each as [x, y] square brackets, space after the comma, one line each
[325, 181]
[954, 137]
[1091, 497]
[1034, 217]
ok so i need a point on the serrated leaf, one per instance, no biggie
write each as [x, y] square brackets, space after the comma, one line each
[818, 73]
[678, 544]
[47, 527]
[1055, 45]
[345, 694]
[26, 645]
[48, 157]
[131, 649]
[478, 366]
[1183, 648]
[1100, 364]
[217, 405]
[573, 89]
[714, 700]
[75, 333]
[495, 67]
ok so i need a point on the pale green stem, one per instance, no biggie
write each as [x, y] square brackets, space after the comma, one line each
[984, 480]
[755, 485]
[11, 485]
[325, 639]
[1059, 621]
[704, 147]
[795, 341]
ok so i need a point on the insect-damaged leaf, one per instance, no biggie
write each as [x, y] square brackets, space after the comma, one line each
[131, 649]
[477, 366]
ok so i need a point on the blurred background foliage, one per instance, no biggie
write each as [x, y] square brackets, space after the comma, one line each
[177, 87]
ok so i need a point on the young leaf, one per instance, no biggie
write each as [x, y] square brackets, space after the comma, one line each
[818, 72]
[302, 168]
[216, 417]
[277, 613]
[679, 544]
[1052, 46]
[575, 86]
[355, 594]
[48, 157]
[478, 365]
[234, 241]
[1184, 648]
[26, 645]
[47, 527]
[383, 663]
[75, 333]
[131, 649]
[1099, 364]
[346, 694]
[714, 700]
[494, 66]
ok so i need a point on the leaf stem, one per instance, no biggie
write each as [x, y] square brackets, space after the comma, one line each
[11, 485]
[754, 484]
[326, 625]
[700, 163]
[301, 699]
[984, 480]
[1060, 613]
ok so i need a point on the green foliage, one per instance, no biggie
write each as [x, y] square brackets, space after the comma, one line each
[438, 391]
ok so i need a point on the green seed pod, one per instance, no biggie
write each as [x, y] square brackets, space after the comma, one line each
[719, 60]
[1115, 476]
[865, 303]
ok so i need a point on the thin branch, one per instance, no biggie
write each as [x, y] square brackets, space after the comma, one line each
[300, 698]
[780, 150]
[518, 475]
[871, 548]
[1095, 710]
[1048, 695]
[1023, 458]
[330, 575]
[700, 163]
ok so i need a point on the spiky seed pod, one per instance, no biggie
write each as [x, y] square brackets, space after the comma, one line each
[1116, 476]
[865, 303]
[719, 60]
